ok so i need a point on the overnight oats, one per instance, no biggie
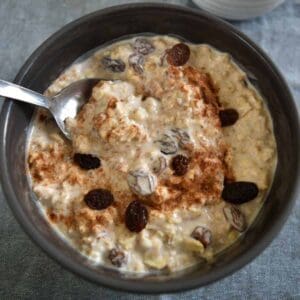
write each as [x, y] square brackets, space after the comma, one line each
[170, 160]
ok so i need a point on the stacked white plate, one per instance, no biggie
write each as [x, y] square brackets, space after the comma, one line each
[238, 9]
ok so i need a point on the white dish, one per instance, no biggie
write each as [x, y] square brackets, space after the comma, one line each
[238, 9]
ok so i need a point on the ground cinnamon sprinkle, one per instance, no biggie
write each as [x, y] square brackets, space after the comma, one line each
[183, 191]
[204, 81]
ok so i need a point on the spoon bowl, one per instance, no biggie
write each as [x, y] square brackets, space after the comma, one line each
[69, 101]
[66, 104]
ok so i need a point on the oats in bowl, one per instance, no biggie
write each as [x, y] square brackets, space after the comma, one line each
[170, 161]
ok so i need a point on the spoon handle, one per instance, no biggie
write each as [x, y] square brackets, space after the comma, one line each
[17, 92]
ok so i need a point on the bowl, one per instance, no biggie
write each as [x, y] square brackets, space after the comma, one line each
[90, 31]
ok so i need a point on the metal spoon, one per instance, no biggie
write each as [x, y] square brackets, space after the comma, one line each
[65, 104]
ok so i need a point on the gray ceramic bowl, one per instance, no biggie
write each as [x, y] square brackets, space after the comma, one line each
[61, 49]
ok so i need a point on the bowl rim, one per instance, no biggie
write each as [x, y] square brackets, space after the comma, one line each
[134, 285]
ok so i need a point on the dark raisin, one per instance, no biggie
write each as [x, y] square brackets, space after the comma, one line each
[180, 164]
[239, 192]
[114, 65]
[87, 161]
[117, 257]
[136, 61]
[136, 216]
[143, 46]
[178, 55]
[98, 199]
[203, 235]
[235, 218]
[228, 117]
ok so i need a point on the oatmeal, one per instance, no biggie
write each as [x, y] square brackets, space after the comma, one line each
[170, 161]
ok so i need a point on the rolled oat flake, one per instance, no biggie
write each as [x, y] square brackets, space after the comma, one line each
[141, 182]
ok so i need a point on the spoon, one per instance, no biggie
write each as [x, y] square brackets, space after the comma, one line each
[65, 104]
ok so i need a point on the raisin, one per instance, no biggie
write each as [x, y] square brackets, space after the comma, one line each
[136, 216]
[228, 117]
[180, 164]
[143, 46]
[167, 144]
[117, 257]
[235, 218]
[183, 137]
[203, 235]
[136, 61]
[159, 165]
[239, 192]
[87, 161]
[114, 65]
[178, 55]
[141, 182]
[98, 199]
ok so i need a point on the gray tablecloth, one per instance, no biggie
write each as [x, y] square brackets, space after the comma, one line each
[26, 272]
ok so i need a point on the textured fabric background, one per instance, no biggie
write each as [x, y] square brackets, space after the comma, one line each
[27, 273]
